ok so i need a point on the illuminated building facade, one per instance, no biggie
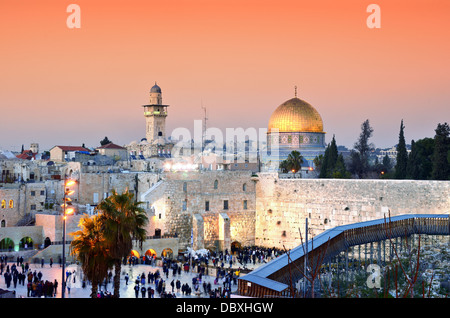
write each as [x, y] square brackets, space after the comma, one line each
[294, 125]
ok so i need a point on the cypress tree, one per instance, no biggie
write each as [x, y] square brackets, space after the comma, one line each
[329, 160]
[402, 155]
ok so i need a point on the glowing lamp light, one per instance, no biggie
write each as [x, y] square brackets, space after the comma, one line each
[70, 183]
[69, 211]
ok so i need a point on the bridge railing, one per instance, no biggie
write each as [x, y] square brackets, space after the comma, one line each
[276, 276]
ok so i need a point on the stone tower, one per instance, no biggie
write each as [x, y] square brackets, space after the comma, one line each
[155, 117]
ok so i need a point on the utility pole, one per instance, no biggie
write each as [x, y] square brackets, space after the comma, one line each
[306, 257]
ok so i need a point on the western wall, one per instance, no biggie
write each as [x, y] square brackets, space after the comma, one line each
[282, 205]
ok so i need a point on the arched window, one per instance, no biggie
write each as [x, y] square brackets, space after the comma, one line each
[216, 184]
[244, 187]
[3, 204]
[3, 223]
[185, 187]
[11, 204]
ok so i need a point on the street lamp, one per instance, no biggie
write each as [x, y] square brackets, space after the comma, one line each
[67, 210]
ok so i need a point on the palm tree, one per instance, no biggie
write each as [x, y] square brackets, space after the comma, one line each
[123, 221]
[90, 248]
[294, 161]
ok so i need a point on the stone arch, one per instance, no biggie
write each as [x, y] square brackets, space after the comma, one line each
[47, 242]
[235, 246]
[150, 253]
[167, 252]
[7, 244]
[26, 243]
[134, 253]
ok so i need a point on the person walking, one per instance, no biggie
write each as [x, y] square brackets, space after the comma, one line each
[55, 287]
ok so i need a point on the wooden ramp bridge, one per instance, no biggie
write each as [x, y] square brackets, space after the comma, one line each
[276, 278]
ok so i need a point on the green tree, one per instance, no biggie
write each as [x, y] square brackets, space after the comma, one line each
[292, 163]
[124, 221]
[105, 141]
[360, 156]
[91, 250]
[387, 164]
[329, 160]
[318, 162]
[402, 155]
[284, 166]
[441, 167]
[420, 159]
[340, 170]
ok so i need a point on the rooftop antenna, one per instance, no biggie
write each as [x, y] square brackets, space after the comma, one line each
[204, 126]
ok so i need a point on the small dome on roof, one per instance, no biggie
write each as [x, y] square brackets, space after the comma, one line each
[155, 89]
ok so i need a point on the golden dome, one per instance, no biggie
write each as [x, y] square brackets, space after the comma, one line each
[296, 115]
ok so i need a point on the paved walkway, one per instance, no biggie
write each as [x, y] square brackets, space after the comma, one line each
[126, 291]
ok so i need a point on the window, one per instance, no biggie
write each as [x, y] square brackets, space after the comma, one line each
[11, 204]
[216, 184]
[3, 204]
[184, 187]
[206, 205]
[33, 193]
[245, 204]
[225, 204]
[244, 187]
[33, 207]
[42, 192]
[184, 208]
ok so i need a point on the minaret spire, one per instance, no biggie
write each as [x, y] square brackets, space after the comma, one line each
[295, 90]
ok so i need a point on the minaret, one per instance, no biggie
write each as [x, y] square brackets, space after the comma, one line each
[155, 117]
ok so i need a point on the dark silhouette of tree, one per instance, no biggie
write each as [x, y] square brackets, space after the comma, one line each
[402, 155]
[441, 166]
[292, 163]
[329, 160]
[359, 164]
[333, 165]
[340, 170]
[387, 164]
[105, 141]
[124, 221]
[420, 162]
[318, 163]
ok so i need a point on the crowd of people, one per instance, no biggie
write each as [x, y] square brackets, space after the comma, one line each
[215, 274]
[20, 273]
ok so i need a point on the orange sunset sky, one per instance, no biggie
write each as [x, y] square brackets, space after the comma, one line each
[239, 58]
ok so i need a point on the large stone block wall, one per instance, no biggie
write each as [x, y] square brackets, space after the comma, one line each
[282, 205]
[185, 194]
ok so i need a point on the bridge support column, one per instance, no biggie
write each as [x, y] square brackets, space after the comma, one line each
[198, 232]
[224, 232]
